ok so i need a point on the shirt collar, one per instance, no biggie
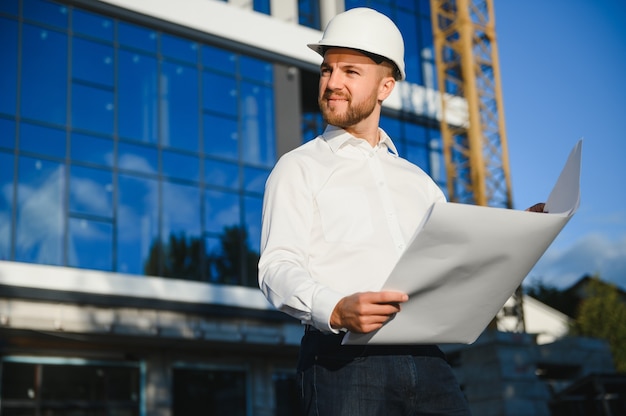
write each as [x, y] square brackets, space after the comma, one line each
[337, 137]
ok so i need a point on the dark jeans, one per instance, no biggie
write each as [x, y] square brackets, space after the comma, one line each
[338, 380]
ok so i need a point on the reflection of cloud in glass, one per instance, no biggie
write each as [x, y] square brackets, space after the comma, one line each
[181, 210]
[134, 162]
[88, 193]
[222, 210]
[40, 219]
[5, 221]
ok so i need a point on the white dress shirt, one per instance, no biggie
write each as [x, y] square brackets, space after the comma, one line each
[337, 215]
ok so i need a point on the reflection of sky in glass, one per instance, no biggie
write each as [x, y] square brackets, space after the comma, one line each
[137, 222]
[221, 210]
[90, 244]
[42, 140]
[7, 133]
[91, 191]
[221, 174]
[6, 201]
[181, 210]
[8, 69]
[137, 97]
[258, 124]
[92, 25]
[92, 108]
[138, 158]
[164, 136]
[253, 221]
[179, 106]
[181, 166]
[44, 75]
[39, 227]
[221, 137]
[92, 62]
[45, 12]
[91, 149]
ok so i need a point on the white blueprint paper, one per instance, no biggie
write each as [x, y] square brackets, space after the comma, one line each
[465, 262]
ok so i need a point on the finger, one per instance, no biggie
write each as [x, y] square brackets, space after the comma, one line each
[389, 296]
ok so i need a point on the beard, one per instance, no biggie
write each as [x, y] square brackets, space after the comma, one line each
[355, 113]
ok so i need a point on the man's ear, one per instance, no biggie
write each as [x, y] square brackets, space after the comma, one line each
[386, 86]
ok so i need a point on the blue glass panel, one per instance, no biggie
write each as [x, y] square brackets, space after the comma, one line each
[91, 191]
[40, 213]
[92, 109]
[221, 210]
[90, 149]
[92, 25]
[220, 137]
[180, 107]
[393, 128]
[424, 6]
[437, 161]
[92, 62]
[257, 121]
[221, 174]
[8, 69]
[9, 6]
[408, 25]
[254, 179]
[179, 49]
[426, 31]
[6, 204]
[44, 75]
[137, 222]
[256, 69]
[262, 6]
[406, 4]
[42, 140]
[138, 96]
[219, 93]
[213, 252]
[253, 208]
[418, 154]
[176, 165]
[416, 133]
[7, 133]
[309, 13]
[219, 59]
[181, 232]
[137, 37]
[45, 12]
[138, 158]
[90, 244]
[181, 210]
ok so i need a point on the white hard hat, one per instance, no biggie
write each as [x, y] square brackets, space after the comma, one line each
[366, 30]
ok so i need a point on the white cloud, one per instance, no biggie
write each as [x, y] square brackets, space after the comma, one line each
[591, 254]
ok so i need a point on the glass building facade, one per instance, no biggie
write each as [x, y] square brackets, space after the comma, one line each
[125, 148]
[137, 147]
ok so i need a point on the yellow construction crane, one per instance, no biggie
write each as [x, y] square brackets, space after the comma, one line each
[475, 152]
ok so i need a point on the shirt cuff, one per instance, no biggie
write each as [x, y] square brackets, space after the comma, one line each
[325, 302]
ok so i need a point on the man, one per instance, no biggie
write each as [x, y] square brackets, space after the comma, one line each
[338, 213]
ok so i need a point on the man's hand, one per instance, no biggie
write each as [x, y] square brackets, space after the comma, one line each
[367, 311]
[537, 207]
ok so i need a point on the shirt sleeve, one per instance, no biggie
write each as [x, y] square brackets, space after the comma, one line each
[285, 237]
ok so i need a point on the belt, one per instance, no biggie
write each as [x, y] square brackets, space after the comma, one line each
[317, 339]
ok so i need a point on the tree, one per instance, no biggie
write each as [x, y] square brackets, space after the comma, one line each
[602, 314]
[565, 301]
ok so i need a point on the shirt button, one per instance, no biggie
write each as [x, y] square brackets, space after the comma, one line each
[401, 246]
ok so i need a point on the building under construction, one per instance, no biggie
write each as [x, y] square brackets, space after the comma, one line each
[135, 140]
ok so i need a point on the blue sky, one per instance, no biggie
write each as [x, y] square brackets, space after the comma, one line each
[563, 69]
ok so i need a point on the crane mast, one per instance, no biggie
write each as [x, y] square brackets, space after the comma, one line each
[475, 152]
